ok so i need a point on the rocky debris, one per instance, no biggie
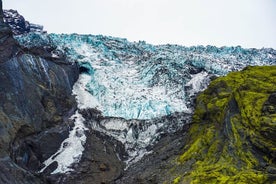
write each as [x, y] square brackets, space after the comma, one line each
[270, 105]
[138, 136]
[18, 23]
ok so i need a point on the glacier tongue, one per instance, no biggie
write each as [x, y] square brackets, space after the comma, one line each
[142, 90]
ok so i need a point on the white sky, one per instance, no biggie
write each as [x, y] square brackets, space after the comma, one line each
[249, 23]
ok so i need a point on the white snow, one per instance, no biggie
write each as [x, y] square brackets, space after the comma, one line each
[116, 125]
[198, 82]
[84, 98]
[71, 148]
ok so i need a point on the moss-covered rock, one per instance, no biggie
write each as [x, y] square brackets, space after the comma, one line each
[232, 136]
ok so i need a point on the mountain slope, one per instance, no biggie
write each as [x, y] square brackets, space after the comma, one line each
[134, 111]
[35, 94]
[143, 90]
[231, 139]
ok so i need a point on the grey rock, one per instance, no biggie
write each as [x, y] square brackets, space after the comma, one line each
[35, 95]
[18, 23]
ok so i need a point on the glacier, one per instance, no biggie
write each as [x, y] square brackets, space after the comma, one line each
[136, 80]
[142, 90]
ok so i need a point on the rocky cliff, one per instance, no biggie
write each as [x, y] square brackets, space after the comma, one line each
[35, 95]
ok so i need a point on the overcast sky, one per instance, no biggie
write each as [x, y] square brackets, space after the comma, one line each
[249, 23]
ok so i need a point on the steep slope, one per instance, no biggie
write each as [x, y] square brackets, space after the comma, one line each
[134, 107]
[232, 136]
[35, 94]
[142, 90]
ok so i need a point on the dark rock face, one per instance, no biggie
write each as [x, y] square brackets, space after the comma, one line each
[35, 95]
[11, 173]
[18, 23]
[29, 152]
[8, 46]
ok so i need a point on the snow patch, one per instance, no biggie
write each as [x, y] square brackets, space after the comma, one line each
[71, 148]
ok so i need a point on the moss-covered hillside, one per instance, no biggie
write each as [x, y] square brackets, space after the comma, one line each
[232, 138]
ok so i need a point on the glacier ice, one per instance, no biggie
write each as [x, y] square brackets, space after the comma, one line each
[141, 81]
[142, 90]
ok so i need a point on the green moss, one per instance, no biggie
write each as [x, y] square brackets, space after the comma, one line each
[227, 124]
[176, 180]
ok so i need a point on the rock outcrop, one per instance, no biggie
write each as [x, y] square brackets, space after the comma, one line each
[8, 46]
[36, 103]
[18, 23]
[232, 137]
